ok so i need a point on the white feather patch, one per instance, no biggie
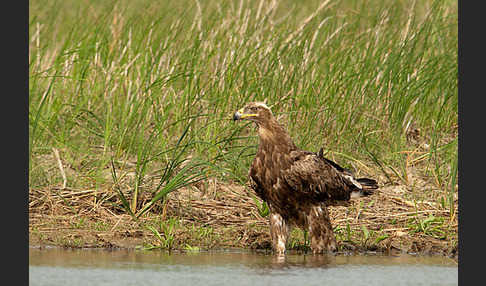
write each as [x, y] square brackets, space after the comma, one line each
[355, 194]
[352, 180]
[262, 104]
[281, 243]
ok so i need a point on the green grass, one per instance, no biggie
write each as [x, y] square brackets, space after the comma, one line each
[122, 81]
[165, 237]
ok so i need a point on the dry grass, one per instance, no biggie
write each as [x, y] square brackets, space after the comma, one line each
[214, 214]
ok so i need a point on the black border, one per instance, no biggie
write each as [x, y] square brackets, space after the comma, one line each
[15, 118]
[471, 111]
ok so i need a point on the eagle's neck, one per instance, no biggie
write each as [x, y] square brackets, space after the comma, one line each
[274, 137]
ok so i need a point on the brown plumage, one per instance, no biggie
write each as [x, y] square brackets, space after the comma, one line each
[297, 185]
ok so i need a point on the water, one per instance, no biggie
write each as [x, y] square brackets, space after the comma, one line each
[55, 266]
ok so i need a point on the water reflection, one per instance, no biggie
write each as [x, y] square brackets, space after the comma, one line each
[285, 264]
[308, 261]
[109, 258]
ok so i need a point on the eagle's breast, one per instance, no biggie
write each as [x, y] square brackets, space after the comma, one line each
[271, 160]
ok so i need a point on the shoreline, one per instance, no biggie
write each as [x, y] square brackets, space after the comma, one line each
[227, 217]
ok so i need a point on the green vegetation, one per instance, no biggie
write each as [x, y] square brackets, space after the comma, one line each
[166, 238]
[136, 97]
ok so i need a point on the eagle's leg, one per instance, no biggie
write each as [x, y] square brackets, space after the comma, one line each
[320, 230]
[279, 230]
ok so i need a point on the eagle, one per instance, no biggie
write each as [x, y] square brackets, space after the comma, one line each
[297, 185]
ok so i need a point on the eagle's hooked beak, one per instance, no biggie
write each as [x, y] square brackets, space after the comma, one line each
[239, 115]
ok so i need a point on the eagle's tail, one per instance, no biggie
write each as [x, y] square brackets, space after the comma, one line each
[367, 187]
[368, 184]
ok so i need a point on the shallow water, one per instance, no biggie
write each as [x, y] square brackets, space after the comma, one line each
[54, 266]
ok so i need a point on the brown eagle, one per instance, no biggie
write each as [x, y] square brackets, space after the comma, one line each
[297, 185]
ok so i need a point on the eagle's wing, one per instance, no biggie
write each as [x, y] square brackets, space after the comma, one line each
[312, 174]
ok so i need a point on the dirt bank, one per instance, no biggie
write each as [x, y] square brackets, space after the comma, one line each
[214, 215]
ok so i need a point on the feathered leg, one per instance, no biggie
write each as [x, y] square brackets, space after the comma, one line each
[279, 231]
[320, 230]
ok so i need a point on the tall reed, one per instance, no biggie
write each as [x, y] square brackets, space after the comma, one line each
[121, 80]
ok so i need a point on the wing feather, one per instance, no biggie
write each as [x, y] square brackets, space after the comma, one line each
[314, 175]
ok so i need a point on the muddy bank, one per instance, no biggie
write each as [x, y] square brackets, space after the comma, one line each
[217, 215]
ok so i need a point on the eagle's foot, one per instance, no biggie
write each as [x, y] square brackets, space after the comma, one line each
[280, 251]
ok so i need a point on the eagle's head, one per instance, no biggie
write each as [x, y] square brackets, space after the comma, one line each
[271, 133]
[257, 112]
